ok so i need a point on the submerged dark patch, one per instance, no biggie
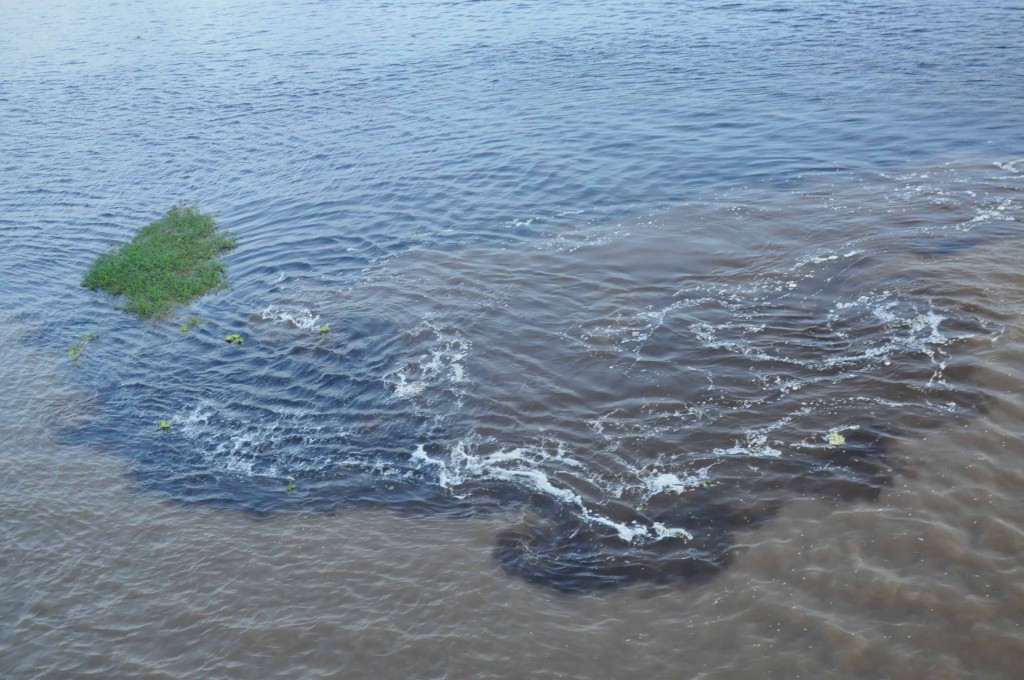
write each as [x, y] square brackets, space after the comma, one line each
[555, 549]
[377, 415]
[640, 401]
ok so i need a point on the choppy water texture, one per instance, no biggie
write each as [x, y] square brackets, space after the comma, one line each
[669, 340]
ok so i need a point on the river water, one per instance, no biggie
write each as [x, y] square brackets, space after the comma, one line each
[666, 339]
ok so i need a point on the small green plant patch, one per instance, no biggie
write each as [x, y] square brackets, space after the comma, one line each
[192, 322]
[234, 339]
[168, 263]
[325, 329]
[835, 439]
[164, 425]
[78, 349]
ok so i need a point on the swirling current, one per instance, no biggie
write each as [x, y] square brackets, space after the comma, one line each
[639, 392]
[702, 301]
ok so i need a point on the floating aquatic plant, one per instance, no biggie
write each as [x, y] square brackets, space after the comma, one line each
[192, 322]
[325, 328]
[679, 533]
[169, 262]
[78, 349]
[164, 424]
[234, 338]
[835, 439]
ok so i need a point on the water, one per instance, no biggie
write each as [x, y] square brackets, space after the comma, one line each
[665, 339]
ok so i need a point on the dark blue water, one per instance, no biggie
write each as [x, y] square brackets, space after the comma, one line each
[529, 225]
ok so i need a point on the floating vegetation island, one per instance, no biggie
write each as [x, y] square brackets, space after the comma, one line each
[170, 262]
[78, 349]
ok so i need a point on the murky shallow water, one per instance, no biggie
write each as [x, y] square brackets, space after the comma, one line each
[621, 377]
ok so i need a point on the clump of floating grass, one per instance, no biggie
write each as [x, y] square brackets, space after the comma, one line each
[835, 439]
[192, 322]
[168, 263]
[78, 349]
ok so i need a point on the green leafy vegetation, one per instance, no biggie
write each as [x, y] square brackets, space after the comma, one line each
[169, 262]
[164, 424]
[78, 349]
[192, 322]
[835, 439]
[234, 338]
[325, 329]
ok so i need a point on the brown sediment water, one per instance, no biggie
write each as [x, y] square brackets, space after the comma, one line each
[100, 579]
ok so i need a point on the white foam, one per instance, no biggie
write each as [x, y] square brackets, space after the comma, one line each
[249, 448]
[192, 423]
[442, 366]
[297, 317]
[756, 442]
[524, 466]
[405, 388]
[662, 532]
[663, 482]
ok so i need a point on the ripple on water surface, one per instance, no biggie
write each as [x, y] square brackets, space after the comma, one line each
[638, 396]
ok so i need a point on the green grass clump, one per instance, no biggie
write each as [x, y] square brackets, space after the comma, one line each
[169, 262]
[835, 439]
[78, 349]
[192, 322]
